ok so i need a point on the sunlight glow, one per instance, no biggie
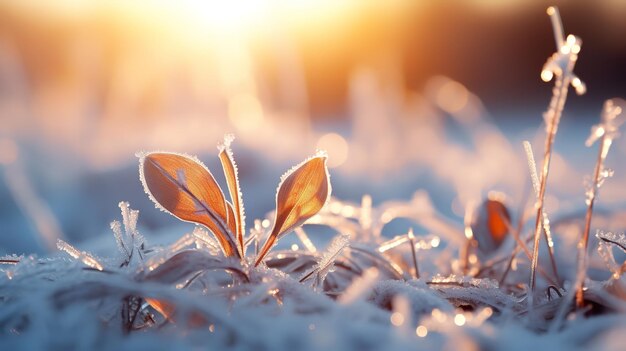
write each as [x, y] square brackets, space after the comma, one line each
[223, 13]
[452, 97]
[459, 319]
[397, 319]
[336, 146]
[245, 112]
[421, 331]
[546, 75]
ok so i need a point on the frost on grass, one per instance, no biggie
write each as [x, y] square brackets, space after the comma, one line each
[317, 274]
[220, 302]
[129, 241]
[203, 290]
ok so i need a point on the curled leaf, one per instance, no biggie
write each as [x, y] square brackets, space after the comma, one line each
[302, 193]
[185, 188]
[232, 179]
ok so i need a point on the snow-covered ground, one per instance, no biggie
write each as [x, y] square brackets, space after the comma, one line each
[418, 248]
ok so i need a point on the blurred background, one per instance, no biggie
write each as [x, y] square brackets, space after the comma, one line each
[404, 95]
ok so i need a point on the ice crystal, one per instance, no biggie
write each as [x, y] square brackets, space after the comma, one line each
[605, 250]
[619, 240]
[83, 256]
[326, 262]
[465, 281]
[129, 241]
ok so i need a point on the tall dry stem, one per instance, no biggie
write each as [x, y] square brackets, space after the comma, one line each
[606, 131]
[561, 66]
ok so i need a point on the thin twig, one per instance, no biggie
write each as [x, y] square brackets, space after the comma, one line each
[516, 234]
[584, 242]
[564, 77]
[608, 129]
[412, 243]
[545, 223]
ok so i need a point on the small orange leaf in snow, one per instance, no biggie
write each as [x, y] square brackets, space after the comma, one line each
[232, 179]
[184, 187]
[303, 192]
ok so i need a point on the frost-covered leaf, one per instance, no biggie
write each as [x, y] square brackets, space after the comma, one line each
[232, 179]
[302, 193]
[184, 187]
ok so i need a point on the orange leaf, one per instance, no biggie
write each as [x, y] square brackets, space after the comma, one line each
[491, 224]
[230, 172]
[498, 220]
[184, 187]
[168, 310]
[302, 193]
[231, 222]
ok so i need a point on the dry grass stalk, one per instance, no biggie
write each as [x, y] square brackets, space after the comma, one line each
[606, 131]
[560, 64]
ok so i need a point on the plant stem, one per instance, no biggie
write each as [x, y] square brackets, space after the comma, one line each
[584, 242]
[417, 271]
[554, 116]
[550, 252]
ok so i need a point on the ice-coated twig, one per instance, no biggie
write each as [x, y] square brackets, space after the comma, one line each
[606, 241]
[611, 238]
[203, 239]
[423, 243]
[83, 256]
[413, 255]
[11, 259]
[560, 64]
[130, 240]
[606, 131]
[327, 261]
[545, 222]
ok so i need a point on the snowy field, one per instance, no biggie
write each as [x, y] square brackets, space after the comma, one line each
[421, 226]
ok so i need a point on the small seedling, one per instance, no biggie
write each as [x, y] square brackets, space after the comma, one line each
[184, 187]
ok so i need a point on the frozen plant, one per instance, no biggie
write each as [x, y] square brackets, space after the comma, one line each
[607, 241]
[326, 262]
[83, 256]
[129, 241]
[182, 186]
[606, 132]
[560, 65]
